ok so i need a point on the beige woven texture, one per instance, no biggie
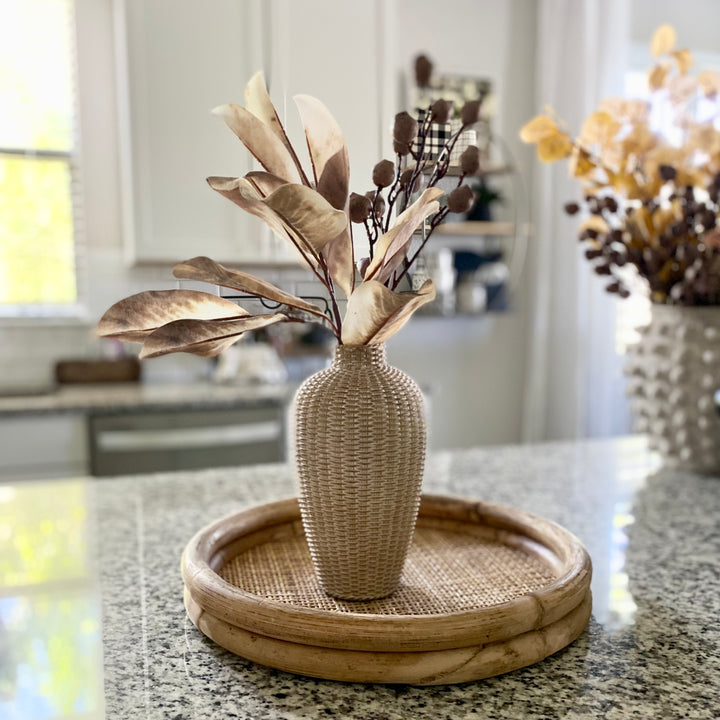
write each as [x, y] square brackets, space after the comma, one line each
[445, 572]
[360, 452]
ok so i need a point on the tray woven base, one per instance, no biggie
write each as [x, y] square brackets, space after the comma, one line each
[486, 589]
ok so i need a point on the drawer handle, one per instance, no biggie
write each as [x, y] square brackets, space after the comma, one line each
[133, 440]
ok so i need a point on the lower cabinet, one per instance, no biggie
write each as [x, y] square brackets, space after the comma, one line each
[43, 446]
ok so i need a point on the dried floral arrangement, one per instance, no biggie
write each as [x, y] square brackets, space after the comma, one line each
[315, 213]
[652, 201]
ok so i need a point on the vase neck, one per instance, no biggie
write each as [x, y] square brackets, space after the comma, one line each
[360, 354]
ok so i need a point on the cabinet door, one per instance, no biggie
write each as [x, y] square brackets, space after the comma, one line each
[341, 53]
[177, 60]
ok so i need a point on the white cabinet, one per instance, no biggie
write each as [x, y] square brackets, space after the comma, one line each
[178, 59]
[341, 53]
[42, 446]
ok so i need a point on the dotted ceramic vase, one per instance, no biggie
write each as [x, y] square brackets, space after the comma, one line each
[673, 373]
[360, 439]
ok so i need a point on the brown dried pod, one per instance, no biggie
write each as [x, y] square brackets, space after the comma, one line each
[360, 207]
[610, 204]
[383, 173]
[470, 160]
[377, 202]
[402, 148]
[423, 70]
[571, 208]
[441, 111]
[470, 112]
[667, 172]
[405, 128]
[406, 179]
[461, 199]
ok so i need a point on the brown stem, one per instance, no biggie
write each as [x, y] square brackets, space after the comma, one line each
[409, 263]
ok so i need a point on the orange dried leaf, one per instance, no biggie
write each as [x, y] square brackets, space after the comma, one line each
[554, 147]
[656, 77]
[684, 60]
[600, 127]
[709, 82]
[595, 222]
[538, 128]
[663, 41]
[580, 163]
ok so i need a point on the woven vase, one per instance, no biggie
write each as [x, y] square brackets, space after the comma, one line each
[360, 440]
[673, 373]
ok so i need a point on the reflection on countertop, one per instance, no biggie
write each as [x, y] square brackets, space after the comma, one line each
[651, 649]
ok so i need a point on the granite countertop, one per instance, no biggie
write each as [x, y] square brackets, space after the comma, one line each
[91, 605]
[128, 397]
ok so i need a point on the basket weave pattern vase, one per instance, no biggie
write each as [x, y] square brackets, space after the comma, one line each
[360, 455]
[673, 373]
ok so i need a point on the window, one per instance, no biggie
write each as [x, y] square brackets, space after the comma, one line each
[37, 158]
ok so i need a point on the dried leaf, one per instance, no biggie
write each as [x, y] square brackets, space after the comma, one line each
[206, 338]
[554, 147]
[135, 317]
[206, 270]
[681, 88]
[340, 259]
[307, 214]
[595, 222]
[580, 163]
[392, 247]
[257, 101]
[663, 41]
[261, 141]
[684, 60]
[600, 127]
[243, 193]
[656, 77]
[375, 313]
[264, 183]
[539, 128]
[294, 212]
[328, 151]
[709, 82]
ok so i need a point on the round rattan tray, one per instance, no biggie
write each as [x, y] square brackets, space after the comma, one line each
[486, 589]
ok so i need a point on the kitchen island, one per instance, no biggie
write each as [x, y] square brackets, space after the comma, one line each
[92, 609]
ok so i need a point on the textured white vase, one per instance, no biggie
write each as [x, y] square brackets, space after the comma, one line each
[672, 375]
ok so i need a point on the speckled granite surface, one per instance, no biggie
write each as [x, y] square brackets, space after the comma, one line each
[128, 397]
[652, 649]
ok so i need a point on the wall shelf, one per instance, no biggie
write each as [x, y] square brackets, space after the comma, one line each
[475, 228]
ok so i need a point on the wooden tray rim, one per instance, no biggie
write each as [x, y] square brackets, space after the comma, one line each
[428, 667]
[389, 633]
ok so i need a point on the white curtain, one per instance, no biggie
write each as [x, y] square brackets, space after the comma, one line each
[574, 381]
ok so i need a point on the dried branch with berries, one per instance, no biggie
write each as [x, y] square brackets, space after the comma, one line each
[313, 212]
[651, 198]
